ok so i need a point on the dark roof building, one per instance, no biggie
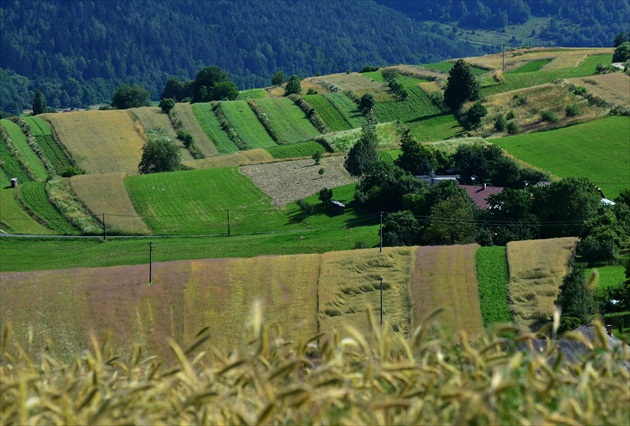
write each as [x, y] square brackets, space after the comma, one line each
[480, 193]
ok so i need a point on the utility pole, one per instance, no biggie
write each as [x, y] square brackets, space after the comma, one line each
[381, 234]
[150, 263]
[228, 220]
[104, 232]
[381, 280]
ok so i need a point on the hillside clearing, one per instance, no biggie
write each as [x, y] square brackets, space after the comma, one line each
[99, 141]
[287, 181]
[445, 277]
[613, 87]
[537, 268]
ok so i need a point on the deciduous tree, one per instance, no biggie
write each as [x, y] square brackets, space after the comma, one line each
[127, 96]
[293, 86]
[461, 86]
[363, 153]
[278, 78]
[159, 154]
[39, 104]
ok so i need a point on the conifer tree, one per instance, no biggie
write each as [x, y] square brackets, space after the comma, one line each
[461, 86]
[39, 105]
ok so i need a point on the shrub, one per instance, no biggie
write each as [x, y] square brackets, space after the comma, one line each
[167, 104]
[520, 99]
[325, 195]
[71, 171]
[548, 116]
[475, 114]
[572, 110]
[500, 123]
[317, 156]
[360, 245]
[580, 91]
[510, 115]
[512, 128]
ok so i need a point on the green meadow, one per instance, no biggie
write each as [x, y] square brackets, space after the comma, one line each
[29, 159]
[333, 118]
[211, 127]
[598, 150]
[246, 124]
[347, 108]
[52, 151]
[287, 120]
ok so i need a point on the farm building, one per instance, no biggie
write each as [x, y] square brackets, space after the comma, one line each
[480, 193]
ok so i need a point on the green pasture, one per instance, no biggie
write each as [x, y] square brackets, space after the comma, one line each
[50, 148]
[33, 195]
[296, 150]
[246, 124]
[598, 150]
[291, 233]
[514, 81]
[243, 95]
[493, 279]
[25, 152]
[4, 179]
[333, 118]
[347, 108]
[288, 120]
[211, 127]
[532, 66]
[417, 105]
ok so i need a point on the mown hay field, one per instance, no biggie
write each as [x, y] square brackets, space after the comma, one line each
[417, 105]
[36, 198]
[354, 82]
[347, 108]
[197, 202]
[100, 141]
[192, 124]
[613, 87]
[46, 142]
[445, 277]
[537, 268]
[287, 181]
[598, 150]
[13, 218]
[29, 159]
[106, 194]
[287, 120]
[246, 124]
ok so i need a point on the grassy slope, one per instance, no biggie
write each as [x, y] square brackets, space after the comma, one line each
[581, 150]
[51, 150]
[192, 124]
[153, 118]
[14, 219]
[347, 108]
[493, 278]
[212, 129]
[333, 119]
[246, 124]
[35, 197]
[287, 119]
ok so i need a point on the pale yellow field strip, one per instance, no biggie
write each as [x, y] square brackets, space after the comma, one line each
[537, 268]
[100, 141]
[566, 61]
[349, 281]
[353, 81]
[191, 125]
[445, 277]
[419, 72]
[251, 156]
[429, 87]
[106, 194]
[613, 87]
[221, 294]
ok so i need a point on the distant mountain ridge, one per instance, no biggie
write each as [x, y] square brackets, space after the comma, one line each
[77, 52]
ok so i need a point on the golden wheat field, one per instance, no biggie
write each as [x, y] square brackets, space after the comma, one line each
[106, 194]
[445, 277]
[536, 271]
[184, 113]
[100, 141]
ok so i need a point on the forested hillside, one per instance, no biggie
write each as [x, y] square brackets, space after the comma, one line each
[572, 23]
[77, 52]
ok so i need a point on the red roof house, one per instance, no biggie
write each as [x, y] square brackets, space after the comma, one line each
[480, 193]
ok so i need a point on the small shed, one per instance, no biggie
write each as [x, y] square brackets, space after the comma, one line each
[337, 207]
[14, 182]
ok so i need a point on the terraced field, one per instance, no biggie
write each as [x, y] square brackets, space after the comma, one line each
[153, 118]
[191, 123]
[333, 118]
[347, 108]
[55, 155]
[29, 159]
[10, 165]
[89, 138]
[417, 105]
[33, 195]
[13, 219]
[246, 124]
[212, 129]
[287, 120]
